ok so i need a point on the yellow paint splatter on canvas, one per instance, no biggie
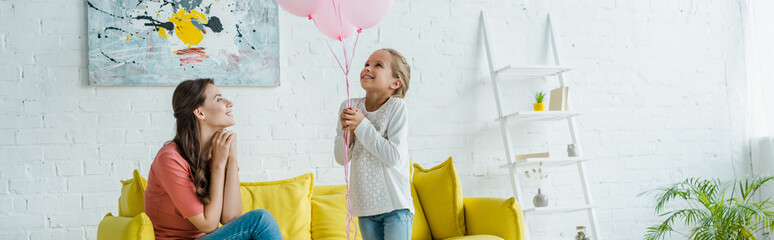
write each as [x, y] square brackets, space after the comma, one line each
[163, 32]
[184, 27]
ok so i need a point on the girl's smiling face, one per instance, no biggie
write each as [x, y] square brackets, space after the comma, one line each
[376, 75]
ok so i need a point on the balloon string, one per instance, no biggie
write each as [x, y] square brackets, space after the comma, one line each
[346, 61]
[337, 59]
[348, 64]
[353, 49]
[337, 11]
[350, 220]
[346, 180]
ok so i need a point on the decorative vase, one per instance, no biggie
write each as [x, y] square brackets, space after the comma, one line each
[539, 107]
[581, 233]
[572, 151]
[540, 200]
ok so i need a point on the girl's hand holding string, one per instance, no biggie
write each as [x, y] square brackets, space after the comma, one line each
[351, 118]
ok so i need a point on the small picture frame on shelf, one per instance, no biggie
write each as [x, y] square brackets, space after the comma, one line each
[558, 99]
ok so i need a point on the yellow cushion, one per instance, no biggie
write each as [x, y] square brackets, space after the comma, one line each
[420, 230]
[125, 228]
[323, 190]
[476, 237]
[494, 216]
[289, 201]
[329, 213]
[132, 200]
[440, 195]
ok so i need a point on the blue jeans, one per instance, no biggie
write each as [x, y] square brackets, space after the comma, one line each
[257, 224]
[395, 225]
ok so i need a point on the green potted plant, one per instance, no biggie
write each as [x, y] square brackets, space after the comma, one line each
[713, 209]
[539, 106]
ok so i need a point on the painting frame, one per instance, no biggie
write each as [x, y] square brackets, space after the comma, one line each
[163, 42]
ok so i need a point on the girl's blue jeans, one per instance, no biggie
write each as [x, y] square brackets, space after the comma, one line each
[395, 225]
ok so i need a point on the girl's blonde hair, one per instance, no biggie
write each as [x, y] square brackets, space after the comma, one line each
[401, 70]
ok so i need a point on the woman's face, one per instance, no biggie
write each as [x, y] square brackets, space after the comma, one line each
[216, 110]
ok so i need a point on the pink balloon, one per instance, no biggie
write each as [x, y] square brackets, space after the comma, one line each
[365, 13]
[330, 24]
[301, 8]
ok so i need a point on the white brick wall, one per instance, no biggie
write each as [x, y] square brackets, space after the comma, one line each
[661, 81]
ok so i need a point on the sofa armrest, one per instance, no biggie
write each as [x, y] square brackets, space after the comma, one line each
[138, 227]
[494, 216]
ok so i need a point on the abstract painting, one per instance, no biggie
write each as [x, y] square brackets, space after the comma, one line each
[163, 42]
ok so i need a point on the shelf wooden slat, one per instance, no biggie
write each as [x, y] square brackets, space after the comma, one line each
[549, 210]
[529, 116]
[532, 70]
[547, 162]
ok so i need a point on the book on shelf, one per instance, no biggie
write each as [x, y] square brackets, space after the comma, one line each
[532, 155]
[558, 99]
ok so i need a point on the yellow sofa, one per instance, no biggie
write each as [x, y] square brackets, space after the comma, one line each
[305, 211]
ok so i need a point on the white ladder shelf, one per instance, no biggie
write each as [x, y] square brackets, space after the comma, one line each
[496, 74]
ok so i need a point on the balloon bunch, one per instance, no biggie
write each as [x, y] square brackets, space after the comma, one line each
[338, 19]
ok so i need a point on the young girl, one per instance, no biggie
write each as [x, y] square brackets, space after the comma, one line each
[193, 183]
[380, 190]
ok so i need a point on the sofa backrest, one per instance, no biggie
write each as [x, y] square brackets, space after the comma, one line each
[328, 210]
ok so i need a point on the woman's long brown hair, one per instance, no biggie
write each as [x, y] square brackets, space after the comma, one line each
[188, 96]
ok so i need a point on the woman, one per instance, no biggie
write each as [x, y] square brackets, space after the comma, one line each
[193, 183]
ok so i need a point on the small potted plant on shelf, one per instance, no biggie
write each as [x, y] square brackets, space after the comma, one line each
[539, 106]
